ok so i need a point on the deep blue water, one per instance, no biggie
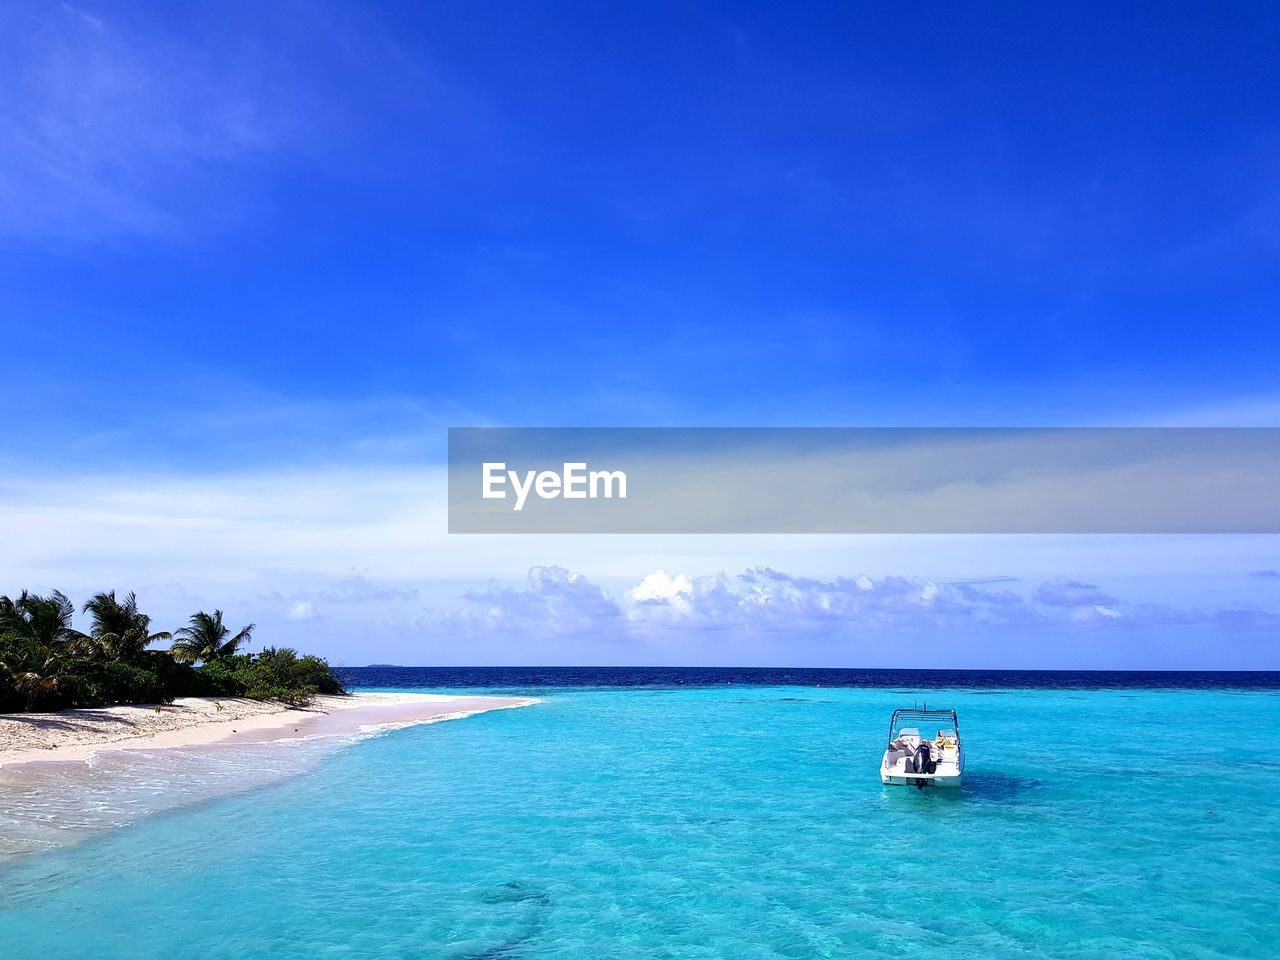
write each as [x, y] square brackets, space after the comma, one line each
[714, 822]
[532, 679]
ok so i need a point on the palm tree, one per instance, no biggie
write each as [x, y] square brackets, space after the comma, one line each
[44, 620]
[206, 639]
[120, 631]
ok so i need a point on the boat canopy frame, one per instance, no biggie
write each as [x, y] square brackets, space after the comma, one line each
[906, 716]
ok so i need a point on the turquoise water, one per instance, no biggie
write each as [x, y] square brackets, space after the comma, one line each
[729, 823]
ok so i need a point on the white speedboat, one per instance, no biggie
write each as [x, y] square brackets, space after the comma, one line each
[911, 760]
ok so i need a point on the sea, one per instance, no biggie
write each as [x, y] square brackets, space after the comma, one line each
[678, 813]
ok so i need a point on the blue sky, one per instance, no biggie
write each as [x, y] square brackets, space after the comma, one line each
[254, 259]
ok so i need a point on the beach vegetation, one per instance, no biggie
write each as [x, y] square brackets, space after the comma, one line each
[218, 679]
[278, 673]
[47, 664]
[29, 674]
[116, 682]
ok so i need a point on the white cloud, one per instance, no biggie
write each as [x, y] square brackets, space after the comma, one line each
[660, 587]
[301, 610]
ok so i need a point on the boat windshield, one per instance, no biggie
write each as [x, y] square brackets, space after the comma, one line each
[909, 723]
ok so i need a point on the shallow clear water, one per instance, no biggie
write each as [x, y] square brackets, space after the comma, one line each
[50, 804]
[725, 823]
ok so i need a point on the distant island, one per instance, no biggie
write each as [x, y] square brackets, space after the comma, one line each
[46, 664]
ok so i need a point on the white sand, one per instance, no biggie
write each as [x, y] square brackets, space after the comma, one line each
[191, 721]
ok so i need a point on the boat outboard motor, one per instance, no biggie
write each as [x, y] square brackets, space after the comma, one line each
[923, 760]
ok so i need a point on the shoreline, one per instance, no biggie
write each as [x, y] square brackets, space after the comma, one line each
[76, 735]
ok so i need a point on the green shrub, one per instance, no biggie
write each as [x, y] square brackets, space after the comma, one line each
[314, 671]
[278, 673]
[294, 696]
[176, 679]
[218, 679]
[112, 682]
[124, 683]
[76, 690]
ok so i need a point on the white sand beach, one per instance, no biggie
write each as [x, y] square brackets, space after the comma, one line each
[192, 721]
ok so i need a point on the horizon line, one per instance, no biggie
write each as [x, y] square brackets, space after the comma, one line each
[527, 666]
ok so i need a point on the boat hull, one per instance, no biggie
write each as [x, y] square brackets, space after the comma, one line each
[914, 779]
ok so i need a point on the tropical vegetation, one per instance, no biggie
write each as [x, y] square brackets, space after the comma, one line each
[48, 664]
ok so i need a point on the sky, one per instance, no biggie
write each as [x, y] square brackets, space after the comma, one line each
[255, 259]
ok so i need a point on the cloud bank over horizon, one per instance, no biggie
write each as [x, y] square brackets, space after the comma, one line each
[559, 602]
[766, 617]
